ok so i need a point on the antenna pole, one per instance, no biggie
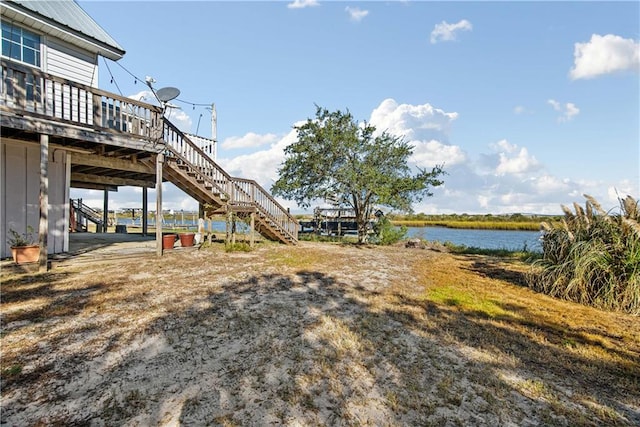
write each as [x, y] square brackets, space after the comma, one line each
[214, 130]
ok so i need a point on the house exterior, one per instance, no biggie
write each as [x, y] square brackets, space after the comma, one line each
[59, 130]
[62, 40]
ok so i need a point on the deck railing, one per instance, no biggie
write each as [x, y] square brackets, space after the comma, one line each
[29, 90]
[25, 89]
[239, 191]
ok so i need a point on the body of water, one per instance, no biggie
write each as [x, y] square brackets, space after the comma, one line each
[485, 239]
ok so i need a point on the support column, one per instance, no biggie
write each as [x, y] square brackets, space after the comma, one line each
[43, 226]
[67, 203]
[145, 222]
[229, 225]
[105, 210]
[253, 228]
[159, 162]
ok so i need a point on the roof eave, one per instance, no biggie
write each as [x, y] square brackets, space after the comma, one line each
[13, 11]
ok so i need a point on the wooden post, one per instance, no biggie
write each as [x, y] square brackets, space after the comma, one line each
[105, 211]
[43, 226]
[233, 229]
[159, 162]
[210, 228]
[200, 233]
[229, 220]
[67, 203]
[145, 221]
[252, 231]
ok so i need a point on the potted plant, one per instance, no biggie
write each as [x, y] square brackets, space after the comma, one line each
[23, 246]
[168, 240]
[186, 239]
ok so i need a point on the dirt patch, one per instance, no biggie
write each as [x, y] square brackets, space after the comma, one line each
[318, 334]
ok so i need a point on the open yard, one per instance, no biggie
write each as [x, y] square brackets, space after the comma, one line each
[318, 334]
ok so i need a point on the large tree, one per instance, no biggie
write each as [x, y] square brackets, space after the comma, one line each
[339, 159]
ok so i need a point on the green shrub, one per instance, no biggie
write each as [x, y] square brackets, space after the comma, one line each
[592, 257]
[237, 247]
[386, 233]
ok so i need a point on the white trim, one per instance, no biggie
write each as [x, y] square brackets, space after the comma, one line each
[67, 195]
[86, 42]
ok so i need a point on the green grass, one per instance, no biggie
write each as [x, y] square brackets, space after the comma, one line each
[472, 225]
[237, 247]
[523, 255]
[466, 300]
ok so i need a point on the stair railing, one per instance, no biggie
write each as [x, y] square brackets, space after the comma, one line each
[238, 191]
[253, 193]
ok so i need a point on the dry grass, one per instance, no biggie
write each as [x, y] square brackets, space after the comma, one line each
[318, 334]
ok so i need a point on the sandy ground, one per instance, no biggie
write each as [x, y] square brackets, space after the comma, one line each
[313, 335]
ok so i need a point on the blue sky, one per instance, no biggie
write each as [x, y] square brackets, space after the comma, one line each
[528, 104]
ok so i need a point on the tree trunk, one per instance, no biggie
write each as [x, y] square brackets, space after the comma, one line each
[362, 228]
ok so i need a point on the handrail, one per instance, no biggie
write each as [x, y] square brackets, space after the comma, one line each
[89, 212]
[40, 94]
[31, 90]
[238, 191]
[267, 205]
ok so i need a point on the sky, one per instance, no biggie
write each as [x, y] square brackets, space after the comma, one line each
[529, 105]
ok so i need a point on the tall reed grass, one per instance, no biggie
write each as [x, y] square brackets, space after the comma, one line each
[592, 257]
[473, 225]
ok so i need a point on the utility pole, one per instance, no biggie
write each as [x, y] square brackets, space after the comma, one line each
[214, 131]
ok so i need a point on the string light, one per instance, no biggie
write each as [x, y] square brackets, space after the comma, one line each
[112, 78]
[137, 79]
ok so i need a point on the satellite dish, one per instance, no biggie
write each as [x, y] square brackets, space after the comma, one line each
[166, 94]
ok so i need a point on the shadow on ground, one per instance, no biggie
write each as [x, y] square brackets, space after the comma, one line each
[309, 348]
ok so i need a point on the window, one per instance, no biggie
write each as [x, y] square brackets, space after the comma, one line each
[20, 44]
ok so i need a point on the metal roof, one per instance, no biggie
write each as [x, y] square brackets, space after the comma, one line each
[67, 15]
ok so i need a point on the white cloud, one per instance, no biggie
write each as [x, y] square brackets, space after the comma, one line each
[427, 154]
[355, 13]
[414, 122]
[505, 178]
[569, 110]
[261, 166]
[512, 160]
[146, 96]
[179, 118]
[448, 32]
[621, 190]
[249, 140]
[546, 184]
[604, 55]
[301, 4]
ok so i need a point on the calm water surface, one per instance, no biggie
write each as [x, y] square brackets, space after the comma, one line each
[485, 239]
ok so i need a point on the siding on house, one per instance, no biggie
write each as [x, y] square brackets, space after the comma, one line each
[20, 191]
[63, 61]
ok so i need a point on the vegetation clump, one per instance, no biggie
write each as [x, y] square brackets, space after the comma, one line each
[592, 257]
[350, 165]
[16, 239]
[386, 233]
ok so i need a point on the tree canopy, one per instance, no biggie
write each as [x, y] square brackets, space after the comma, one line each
[338, 159]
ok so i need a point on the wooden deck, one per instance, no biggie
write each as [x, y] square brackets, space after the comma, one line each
[116, 141]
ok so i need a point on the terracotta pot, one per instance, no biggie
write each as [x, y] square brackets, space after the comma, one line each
[25, 254]
[186, 239]
[168, 240]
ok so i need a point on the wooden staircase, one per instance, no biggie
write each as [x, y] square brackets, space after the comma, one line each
[82, 215]
[191, 170]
